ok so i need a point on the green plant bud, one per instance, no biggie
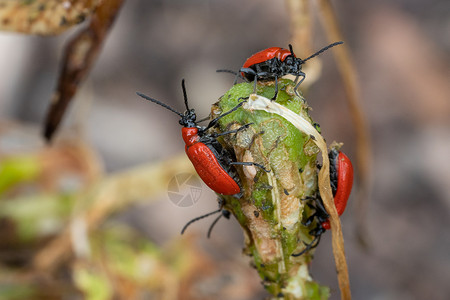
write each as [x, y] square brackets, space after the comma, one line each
[272, 208]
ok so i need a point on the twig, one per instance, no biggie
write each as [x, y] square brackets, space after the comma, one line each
[79, 56]
[363, 150]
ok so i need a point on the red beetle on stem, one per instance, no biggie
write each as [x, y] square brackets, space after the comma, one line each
[212, 162]
[341, 175]
[341, 179]
[275, 62]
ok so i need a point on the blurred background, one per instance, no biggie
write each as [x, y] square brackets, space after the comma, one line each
[402, 53]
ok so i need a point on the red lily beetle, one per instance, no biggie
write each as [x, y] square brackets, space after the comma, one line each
[341, 175]
[341, 179]
[275, 62]
[212, 162]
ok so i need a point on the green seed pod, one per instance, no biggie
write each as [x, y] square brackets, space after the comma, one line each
[273, 206]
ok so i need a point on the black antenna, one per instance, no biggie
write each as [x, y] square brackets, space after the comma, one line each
[322, 50]
[199, 218]
[159, 103]
[184, 94]
[290, 49]
[212, 225]
[225, 213]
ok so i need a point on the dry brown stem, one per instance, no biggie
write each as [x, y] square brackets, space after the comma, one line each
[79, 56]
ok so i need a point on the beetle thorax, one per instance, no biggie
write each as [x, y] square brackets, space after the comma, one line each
[190, 135]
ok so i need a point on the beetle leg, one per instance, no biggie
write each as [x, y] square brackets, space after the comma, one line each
[309, 220]
[255, 74]
[302, 75]
[317, 231]
[237, 74]
[309, 246]
[243, 127]
[214, 121]
[321, 208]
[310, 205]
[276, 89]
[248, 71]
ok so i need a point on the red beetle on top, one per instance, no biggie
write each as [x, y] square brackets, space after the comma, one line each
[212, 162]
[275, 62]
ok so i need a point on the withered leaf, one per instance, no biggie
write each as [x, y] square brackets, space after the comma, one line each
[44, 17]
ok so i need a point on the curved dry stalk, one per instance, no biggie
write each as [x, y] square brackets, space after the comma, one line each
[363, 144]
[109, 196]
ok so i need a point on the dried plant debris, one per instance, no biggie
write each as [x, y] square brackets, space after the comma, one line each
[79, 56]
[275, 206]
[44, 17]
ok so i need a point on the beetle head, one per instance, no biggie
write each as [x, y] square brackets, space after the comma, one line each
[189, 118]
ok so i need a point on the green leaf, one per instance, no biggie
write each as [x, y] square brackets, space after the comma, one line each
[94, 286]
[16, 170]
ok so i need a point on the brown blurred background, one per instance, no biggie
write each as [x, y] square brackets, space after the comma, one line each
[402, 53]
